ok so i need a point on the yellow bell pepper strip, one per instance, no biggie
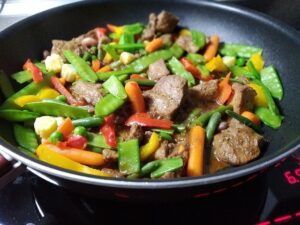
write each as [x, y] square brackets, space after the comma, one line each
[49, 156]
[260, 98]
[47, 93]
[115, 29]
[185, 32]
[148, 149]
[257, 61]
[216, 64]
[23, 100]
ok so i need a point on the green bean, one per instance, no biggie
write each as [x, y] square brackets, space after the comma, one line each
[212, 125]
[84, 70]
[88, 122]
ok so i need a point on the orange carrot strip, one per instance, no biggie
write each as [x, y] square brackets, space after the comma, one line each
[154, 45]
[96, 65]
[212, 48]
[135, 96]
[67, 127]
[251, 116]
[195, 165]
[225, 90]
[137, 77]
[105, 69]
[78, 155]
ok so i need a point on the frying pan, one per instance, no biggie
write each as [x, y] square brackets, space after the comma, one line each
[281, 44]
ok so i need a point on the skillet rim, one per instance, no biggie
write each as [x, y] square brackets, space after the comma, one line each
[226, 175]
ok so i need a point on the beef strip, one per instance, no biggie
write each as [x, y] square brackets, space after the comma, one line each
[157, 70]
[243, 98]
[236, 145]
[205, 91]
[83, 90]
[163, 151]
[167, 39]
[187, 44]
[110, 155]
[166, 96]
[165, 22]
[133, 132]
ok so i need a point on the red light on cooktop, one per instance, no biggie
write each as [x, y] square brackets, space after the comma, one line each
[264, 223]
[292, 176]
[283, 219]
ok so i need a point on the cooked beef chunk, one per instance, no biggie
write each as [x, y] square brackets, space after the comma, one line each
[180, 150]
[157, 70]
[133, 132]
[110, 155]
[166, 96]
[205, 91]
[236, 145]
[167, 39]
[187, 44]
[87, 91]
[165, 22]
[243, 80]
[243, 98]
[112, 172]
[163, 151]
[168, 175]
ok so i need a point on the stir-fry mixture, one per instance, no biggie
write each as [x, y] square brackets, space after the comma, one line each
[144, 101]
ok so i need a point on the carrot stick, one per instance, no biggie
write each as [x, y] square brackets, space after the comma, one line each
[78, 155]
[104, 69]
[154, 45]
[96, 65]
[251, 116]
[195, 165]
[135, 96]
[137, 77]
[212, 48]
[225, 90]
[67, 127]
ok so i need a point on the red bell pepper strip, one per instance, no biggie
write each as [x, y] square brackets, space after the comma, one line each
[189, 66]
[76, 141]
[61, 89]
[37, 74]
[108, 131]
[143, 119]
[100, 31]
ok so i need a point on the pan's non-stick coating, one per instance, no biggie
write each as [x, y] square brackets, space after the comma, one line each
[281, 46]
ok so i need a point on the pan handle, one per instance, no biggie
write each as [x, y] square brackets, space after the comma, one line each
[9, 169]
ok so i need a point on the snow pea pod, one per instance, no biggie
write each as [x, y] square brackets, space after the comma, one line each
[25, 137]
[198, 38]
[271, 80]
[268, 118]
[56, 108]
[178, 69]
[108, 105]
[239, 50]
[16, 115]
[167, 165]
[129, 156]
[96, 140]
[22, 76]
[84, 70]
[114, 86]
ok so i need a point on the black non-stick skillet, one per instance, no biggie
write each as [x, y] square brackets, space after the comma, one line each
[281, 44]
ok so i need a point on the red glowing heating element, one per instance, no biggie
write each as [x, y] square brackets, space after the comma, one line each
[292, 176]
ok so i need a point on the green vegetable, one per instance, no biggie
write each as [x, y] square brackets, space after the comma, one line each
[271, 80]
[27, 152]
[25, 137]
[129, 156]
[142, 63]
[110, 50]
[252, 70]
[144, 82]
[192, 116]
[165, 136]
[195, 58]
[5, 85]
[16, 115]
[167, 165]
[80, 130]
[115, 87]
[240, 71]
[56, 136]
[61, 98]
[203, 119]
[268, 118]
[149, 167]
[240, 61]
[87, 56]
[135, 28]
[239, 50]
[88, 122]
[203, 70]
[178, 69]
[127, 47]
[179, 127]
[126, 38]
[22, 76]
[83, 69]
[56, 108]
[212, 125]
[96, 140]
[107, 105]
[42, 67]
[244, 120]
[170, 131]
[198, 38]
